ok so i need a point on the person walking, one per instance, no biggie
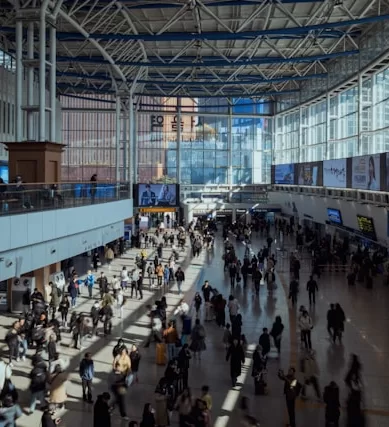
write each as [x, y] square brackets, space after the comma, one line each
[312, 288]
[292, 389]
[340, 318]
[310, 370]
[90, 282]
[276, 333]
[139, 286]
[171, 337]
[12, 340]
[331, 322]
[233, 271]
[306, 325]
[102, 411]
[235, 355]
[332, 402]
[87, 372]
[180, 277]
[293, 291]
[198, 339]
[124, 279]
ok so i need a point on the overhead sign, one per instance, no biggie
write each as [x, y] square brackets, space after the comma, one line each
[157, 123]
[156, 209]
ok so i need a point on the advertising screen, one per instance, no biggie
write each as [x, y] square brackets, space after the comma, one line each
[284, 174]
[157, 195]
[334, 216]
[366, 226]
[310, 174]
[335, 173]
[366, 172]
[4, 173]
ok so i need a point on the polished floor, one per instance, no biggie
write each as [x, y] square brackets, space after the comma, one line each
[365, 335]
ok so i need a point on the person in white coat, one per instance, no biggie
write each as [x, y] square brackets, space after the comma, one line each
[306, 325]
[5, 373]
[119, 303]
[124, 279]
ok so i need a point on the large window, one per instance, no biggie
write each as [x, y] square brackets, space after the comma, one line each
[204, 151]
[251, 150]
[90, 139]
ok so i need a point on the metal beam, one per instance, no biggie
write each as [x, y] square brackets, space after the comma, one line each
[219, 63]
[254, 81]
[216, 3]
[80, 88]
[226, 35]
[166, 113]
[280, 35]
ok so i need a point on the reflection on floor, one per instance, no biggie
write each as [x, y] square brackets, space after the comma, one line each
[365, 335]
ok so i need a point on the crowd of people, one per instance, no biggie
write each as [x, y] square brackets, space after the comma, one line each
[178, 337]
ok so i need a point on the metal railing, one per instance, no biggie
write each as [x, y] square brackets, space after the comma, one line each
[21, 198]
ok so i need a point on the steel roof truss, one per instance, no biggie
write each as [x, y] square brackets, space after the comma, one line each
[103, 12]
[212, 15]
[176, 17]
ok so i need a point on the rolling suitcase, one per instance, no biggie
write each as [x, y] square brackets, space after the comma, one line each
[160, 356]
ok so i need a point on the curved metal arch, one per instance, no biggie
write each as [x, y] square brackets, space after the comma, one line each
[95, 43]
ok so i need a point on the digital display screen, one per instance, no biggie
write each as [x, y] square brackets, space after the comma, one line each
[4, 173]
[334, 216]
[310, 174]
[157, 195]
[366, 226]
[284, 174]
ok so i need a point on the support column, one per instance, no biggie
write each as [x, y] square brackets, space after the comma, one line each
[360, 110]
[328, 121]
[42, 74]
[19, 83]
[300, 134]
[135, 136]
[131, 164]
[229, 145]
[178, 155]
[30, 82]
[53, 80]
[125, 146]
[117, 140]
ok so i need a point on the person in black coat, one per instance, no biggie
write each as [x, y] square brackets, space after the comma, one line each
[236, 356]
[148, 419]
[331, 399]
[101, 411]
[184, 357]
[236, 326]
[264, 342]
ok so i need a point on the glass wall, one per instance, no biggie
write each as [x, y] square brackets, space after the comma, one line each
[216, 148]
[251, 150]
[89, 138]
[204, 151]
[348, 129]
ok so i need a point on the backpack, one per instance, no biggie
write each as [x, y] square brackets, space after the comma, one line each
[38, 334]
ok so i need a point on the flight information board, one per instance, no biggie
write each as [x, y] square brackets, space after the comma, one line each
[366, 227]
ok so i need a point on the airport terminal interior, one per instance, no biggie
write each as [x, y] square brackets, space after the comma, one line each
[194, 213]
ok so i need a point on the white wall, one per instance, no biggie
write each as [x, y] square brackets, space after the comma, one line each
[316, 207]
[36, 239]
[23, 260]
[36, 227]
